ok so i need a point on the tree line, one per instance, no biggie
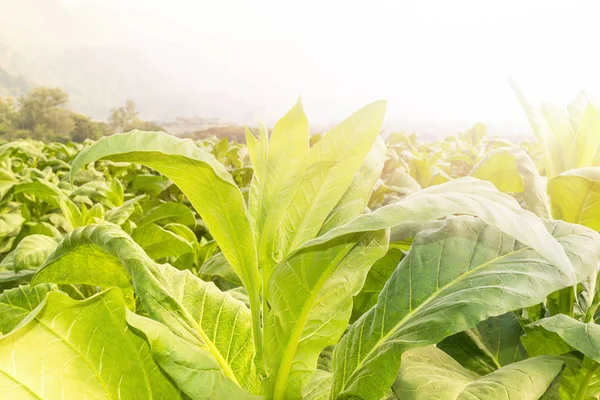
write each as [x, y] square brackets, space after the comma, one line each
[43, 114]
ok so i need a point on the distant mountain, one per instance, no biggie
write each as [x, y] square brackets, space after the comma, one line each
[12, 85]
[98, 79]
[94, 53]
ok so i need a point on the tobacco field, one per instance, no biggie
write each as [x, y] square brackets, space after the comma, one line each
[333, 266]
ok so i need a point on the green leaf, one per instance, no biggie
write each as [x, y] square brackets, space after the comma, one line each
[587, 139]
[584, 337]
[32, 251]
[581, 382]
[116, 195]
[287, 155]
[492, 344]
[452, 278]
[17, 303]
[575, 196]
[539, 341]
[217, 265]
[552, 152]
[208, 186]
[152, 185]
[428, 373]
[41, 228]
[512, 171]
[462, 196]
[119, 215]
[10, 224]
[194, 371]
[10, 279]
[196, 312]
[70, 211]
[43, 190]
[319, 387]
[560, 124]
[378, 275]
[76, 349]
[159, 242]
[168, 213]
[322, 280]
[356, 198]
[332, 164]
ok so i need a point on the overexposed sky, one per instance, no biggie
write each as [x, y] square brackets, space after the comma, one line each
[433, 60]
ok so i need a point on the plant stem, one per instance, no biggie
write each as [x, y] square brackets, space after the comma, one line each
[589, 315]
[586, 381]
[256, 329]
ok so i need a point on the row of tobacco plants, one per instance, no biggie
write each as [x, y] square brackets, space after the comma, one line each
[337, 266]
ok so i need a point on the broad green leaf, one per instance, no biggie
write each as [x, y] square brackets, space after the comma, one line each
[168, 213]
[182, 231]
[10, 224]
[584, 337]
[96, 191]
[452, 278]
[560, 124]
[205, 182]
[575, 196]
[32, 251]
[332, 164]
[17, 303]
[492, 344]
[512, 171]
[287, 156]
[420, 171]
[79, 349]
[116, 195]
[587, 139]
[41, 228]
[357, 196]
[70, 211]
[429, 373]
[159, 242]
[319, 386]
[462, 196]
[194, 371]
[580, 382]
[378, 275]
[152, 185]
[7, 181]
[552, 152]
[119, 215]
[217, 265]
[539, 341]
[10, 279]
[578, 106]
[43, 190]
[197, 312]
[23, 148]
[321, 280]
[90, 216]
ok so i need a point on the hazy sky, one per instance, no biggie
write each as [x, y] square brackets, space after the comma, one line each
[434, 60]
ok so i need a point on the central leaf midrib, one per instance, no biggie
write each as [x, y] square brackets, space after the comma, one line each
[425, 303]
[197, 328]
[290, 351]
[21, 384]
